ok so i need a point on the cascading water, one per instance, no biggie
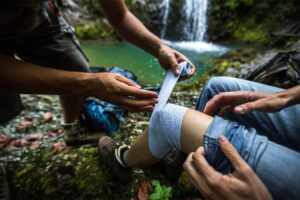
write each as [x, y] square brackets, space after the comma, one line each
[165, 6]
[192, 25]
[194, 18]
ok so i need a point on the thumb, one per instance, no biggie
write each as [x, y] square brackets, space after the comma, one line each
[174, 66]
[230, 152]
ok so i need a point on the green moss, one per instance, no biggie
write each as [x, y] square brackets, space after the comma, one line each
[255, 35]
[96, 30]
[77, 174]
[184, 186]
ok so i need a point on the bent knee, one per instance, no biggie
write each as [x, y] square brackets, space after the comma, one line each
[222, 84]
[165, 129]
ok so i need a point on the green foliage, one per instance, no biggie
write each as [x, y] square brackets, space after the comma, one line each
[255, 35]
[161, 192]
[88, 31]
[250, 21]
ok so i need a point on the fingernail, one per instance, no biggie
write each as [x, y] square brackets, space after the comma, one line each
[156, 100]
[138, 86]
[239, 109]
[222, 139]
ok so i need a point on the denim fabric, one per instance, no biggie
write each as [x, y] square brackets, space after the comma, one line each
[268, 142]
[241, 137]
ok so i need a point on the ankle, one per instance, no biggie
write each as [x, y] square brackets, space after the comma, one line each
[67, 123]
[120, 154]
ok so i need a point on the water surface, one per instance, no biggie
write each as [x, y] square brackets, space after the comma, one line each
[145, 66]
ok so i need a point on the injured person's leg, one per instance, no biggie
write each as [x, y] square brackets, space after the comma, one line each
[171, 127]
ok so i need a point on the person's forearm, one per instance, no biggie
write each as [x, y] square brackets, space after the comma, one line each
[22, 77]
[130, 28]
[291, 95]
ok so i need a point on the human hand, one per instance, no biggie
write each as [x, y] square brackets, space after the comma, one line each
[242, 184]
[243, 102]
[170, 59]
[117, 89]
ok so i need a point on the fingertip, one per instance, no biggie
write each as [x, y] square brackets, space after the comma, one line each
[200, 150]
[222, 139]
[147, 109]
[239, 109]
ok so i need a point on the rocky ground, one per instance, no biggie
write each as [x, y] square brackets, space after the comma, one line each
[41, 166]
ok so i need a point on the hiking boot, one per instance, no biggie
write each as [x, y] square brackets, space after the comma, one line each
[76, 135]
[111, 154]
[4, 190]
[172, 164]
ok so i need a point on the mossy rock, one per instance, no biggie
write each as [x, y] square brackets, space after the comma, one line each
[77, 174]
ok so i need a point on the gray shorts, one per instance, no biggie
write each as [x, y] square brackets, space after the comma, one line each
[51, 43]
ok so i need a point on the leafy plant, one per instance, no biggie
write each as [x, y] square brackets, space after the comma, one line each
[161, 192]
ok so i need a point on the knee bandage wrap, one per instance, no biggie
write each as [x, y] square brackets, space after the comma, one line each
[165, 130]
[166, 120]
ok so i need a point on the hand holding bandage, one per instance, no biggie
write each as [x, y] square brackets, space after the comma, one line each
[169, 83]
[165, 123]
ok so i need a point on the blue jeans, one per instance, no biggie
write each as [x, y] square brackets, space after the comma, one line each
[268, 142]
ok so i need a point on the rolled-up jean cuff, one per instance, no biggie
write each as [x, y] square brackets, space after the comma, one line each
[249, 145]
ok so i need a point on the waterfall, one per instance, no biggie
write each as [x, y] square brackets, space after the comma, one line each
[189, 29]
[165, 6]
[192, 22]
[194, 19]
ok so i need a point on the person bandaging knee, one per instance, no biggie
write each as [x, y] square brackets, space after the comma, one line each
[165, 123]
[158, 143]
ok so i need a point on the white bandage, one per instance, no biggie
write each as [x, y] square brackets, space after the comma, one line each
[165, 123]
[165, 129]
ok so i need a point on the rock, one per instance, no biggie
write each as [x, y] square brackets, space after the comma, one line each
[292, 30]
[73, 12]
[47, 116]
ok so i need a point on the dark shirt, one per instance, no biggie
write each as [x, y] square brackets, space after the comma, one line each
[18, 17]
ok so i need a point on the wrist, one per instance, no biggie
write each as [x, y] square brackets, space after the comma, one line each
[85, 82]
[159, 47]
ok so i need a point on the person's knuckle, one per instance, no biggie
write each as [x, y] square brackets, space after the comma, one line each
[246, 169]
[213, 181]
[249, 106]
[222, 95]
[116, 90]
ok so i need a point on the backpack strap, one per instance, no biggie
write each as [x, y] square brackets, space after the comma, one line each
[52, 8]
